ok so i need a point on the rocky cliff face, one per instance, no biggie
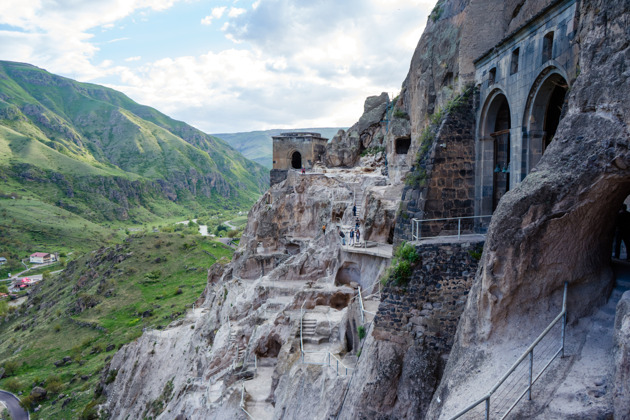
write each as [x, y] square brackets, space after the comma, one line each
[419, 358]
[557, 226]
[286, 270]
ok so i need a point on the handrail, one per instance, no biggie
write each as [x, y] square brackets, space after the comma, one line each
[529, 352]
[361, 307]
[301, 330]
[416, 226]
[242, 404]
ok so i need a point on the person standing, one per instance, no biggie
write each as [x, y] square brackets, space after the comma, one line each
[351, 237]
[324, 229]
[354, 210]
[342, 236]
[358, 235]
[303, 170]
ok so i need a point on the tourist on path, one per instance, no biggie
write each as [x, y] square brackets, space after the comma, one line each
[324, 229]
[354, 211]
[303, 170]
[351, 237]
[342, 236]
[358, 235]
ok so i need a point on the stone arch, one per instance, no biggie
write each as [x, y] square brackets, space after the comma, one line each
[542, 112]
[495, 127]
[295, 159]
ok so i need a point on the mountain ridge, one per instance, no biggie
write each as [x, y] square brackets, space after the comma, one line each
[73, 130]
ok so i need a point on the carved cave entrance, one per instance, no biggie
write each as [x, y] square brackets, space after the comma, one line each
[296, 160]
[543, 114]
[402, 145]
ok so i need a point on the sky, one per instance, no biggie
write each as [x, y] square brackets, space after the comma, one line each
[225, 65]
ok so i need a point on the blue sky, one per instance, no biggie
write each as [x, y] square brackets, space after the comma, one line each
[225, 65]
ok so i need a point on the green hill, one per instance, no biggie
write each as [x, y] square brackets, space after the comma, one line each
[98, 303]
[257, 145]
[105, 159]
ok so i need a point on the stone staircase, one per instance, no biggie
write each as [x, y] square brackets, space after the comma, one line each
[359, 193]
[308, 330]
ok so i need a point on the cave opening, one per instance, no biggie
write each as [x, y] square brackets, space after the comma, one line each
[402, 145]
[348, 272]
[296, 160]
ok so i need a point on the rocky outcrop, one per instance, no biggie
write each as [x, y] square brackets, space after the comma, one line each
[346, 147]
[557, 226]
[285, 270]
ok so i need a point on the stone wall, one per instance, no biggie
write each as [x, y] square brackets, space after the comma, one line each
[447, 188]
[430, 305]
[403, 356]
[276, 176]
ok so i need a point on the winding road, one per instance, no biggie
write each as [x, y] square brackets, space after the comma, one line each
[13, 404]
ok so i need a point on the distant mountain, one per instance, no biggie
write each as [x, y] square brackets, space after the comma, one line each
[95, 152]
[257, 145]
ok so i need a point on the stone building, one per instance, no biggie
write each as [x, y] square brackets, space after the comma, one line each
[294, 151]
[522, 84]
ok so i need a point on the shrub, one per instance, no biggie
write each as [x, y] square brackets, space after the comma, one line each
[233, 233]
[11, 367]
[361, 331]
[54, 385]
[13, 384]
[28, 402]
[399, 113]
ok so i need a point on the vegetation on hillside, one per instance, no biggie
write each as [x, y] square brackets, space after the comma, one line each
[73, 323]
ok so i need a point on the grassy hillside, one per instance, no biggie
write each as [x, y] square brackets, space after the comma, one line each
[258, 145]
[82, 133]
[100, 302]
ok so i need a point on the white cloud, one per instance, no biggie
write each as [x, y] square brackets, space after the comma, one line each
[216, 13]
[236, 12]
[295, 63]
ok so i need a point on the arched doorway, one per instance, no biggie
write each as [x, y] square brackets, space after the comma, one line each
[501, 136]
[296, 160]
[495, 149]
[543, 113]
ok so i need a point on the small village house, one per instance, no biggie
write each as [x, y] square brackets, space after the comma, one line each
[42, 258]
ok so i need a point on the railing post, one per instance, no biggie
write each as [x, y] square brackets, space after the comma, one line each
[564, 317]
[488, 408]
[459, 227]
[337, 370]
[531, 372]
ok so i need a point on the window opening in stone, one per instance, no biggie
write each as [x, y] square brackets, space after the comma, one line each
[296, 160]
[492, 76]
[448, 79]
[554, 112]
[514, 63]
[402, 145]
[501, 135]
[547, 51]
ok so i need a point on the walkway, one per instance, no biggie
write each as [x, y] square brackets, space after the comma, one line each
[473, 237]
[13, 405]
[373, 248]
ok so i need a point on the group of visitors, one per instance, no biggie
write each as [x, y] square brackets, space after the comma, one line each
[354, 234]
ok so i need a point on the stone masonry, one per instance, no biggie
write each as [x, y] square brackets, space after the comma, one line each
[449, 187]
[428, 308]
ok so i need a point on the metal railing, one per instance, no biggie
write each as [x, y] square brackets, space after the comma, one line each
[363, 311]
[449, 227]
[326, 355]
[242, 404]
[526, 374]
